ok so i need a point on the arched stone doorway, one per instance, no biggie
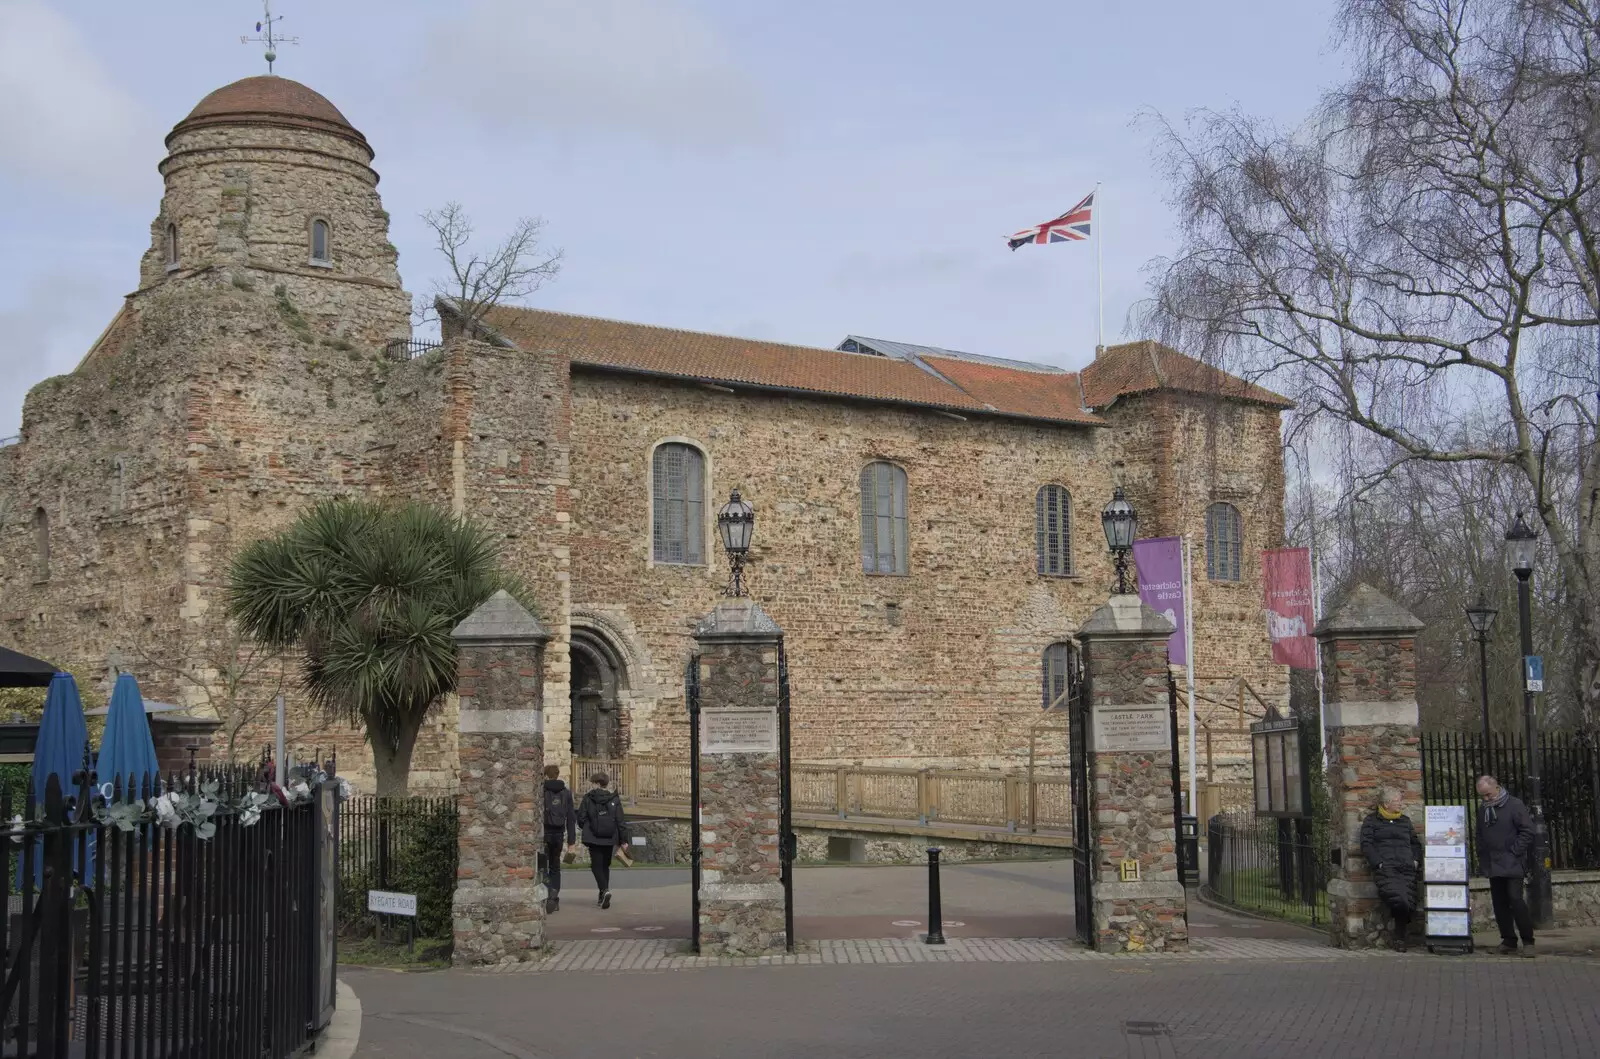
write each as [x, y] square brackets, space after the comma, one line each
[598, 679]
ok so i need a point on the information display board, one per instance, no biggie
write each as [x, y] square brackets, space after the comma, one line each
[1446, 898]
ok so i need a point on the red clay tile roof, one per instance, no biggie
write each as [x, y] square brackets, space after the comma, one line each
[1139, 367]
[968, 387]
[269, 100]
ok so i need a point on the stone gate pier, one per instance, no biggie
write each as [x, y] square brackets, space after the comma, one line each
[1138, 899]
[741, 888]
[1369, 679]
[498, 909]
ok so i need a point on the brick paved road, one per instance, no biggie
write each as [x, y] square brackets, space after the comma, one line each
[1417, 1007]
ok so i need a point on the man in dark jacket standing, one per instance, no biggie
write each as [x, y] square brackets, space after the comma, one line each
[1389, 842]
[1505, 835]
[604, 829]
[559, 818]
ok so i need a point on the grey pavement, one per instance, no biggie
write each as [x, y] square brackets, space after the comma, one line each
[1375, 1006]
[1017, 899]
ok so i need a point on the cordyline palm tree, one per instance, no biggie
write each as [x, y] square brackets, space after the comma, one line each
[369, 592]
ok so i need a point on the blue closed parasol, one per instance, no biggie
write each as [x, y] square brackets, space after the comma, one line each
[59, 752]
[127, 752]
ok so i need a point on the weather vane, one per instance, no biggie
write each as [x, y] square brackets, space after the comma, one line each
[268, 36]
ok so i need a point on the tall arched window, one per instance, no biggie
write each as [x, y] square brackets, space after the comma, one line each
[321, 248]
[1052, 526]
[41, 545]
[1224, 543]
[677, 508]
[884, 543]
[172, 246]
[1060, 675]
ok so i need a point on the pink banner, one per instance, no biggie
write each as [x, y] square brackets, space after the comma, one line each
[1159, 564]
[1290, 616]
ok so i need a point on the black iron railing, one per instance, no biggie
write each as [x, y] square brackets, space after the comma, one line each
[155, 942]
[1570, 775]
[409, 348]
[1269, 866]
[403, 845]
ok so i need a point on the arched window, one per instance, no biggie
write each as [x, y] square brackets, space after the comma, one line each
[1060, 675]
[677, 509]
[884, 544]
[321, 250]
[41, 545]
[172, 246]
[1224, 543]
[1052, 527]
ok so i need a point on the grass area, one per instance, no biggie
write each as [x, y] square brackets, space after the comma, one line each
[431, 954]
[1258, 890]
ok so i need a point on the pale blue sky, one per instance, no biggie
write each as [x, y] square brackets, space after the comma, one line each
[777, 170]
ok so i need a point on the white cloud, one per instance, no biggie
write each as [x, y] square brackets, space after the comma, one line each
[46, 331]
[64, 120]
[655, 68]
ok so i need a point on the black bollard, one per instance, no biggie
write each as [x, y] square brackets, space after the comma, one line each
[935, 935]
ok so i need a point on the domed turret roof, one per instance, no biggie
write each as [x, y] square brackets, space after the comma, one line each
[269, 100]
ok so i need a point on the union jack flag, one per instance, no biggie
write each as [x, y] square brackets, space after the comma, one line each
[1070, 227]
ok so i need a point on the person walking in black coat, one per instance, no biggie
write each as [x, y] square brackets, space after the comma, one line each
[1389, 842]
[1505, 835]
[560, 819]
[604, 829]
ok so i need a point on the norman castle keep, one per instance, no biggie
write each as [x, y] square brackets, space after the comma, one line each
[927, 521]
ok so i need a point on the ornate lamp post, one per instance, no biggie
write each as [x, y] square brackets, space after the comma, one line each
[736, 523]
[1522, 543]
[1481, 615]
[1120, 522]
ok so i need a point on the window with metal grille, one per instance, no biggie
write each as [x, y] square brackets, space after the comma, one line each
[1224, 543]
[1052, 522]
[884, 533]
[1060, 675]
[678, 504]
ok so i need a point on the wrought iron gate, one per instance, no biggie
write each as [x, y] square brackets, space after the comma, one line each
[1082, 784]
[1177, 779]
[788, 843]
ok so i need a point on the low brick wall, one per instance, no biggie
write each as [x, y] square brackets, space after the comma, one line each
[1576, 896]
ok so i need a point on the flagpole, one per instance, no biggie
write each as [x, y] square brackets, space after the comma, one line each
[1316, 617]
[1188, 657]
[1099, 274]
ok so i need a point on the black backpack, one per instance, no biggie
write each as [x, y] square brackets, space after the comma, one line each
[602, 819]
[555, 809]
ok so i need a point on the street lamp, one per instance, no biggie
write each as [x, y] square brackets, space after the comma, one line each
[1481, 615]
[1522, 543]
[1120, 522]
[736, 523]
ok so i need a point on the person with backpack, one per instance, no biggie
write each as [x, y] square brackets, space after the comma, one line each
[560, 820]
[604, 830]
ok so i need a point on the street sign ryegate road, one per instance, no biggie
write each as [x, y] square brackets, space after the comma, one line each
[391, 904]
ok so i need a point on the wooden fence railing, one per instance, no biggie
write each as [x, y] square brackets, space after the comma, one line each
[924, 796]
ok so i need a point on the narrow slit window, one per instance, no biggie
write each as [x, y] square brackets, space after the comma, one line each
[172, 246]
[320, 251]
[41, 545]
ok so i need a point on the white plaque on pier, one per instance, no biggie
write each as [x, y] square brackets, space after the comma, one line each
[733, 731]
[1131, 728]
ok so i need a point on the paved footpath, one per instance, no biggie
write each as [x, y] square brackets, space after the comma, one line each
[1303, 1004]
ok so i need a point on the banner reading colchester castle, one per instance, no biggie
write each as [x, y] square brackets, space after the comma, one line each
[1158, 563]
[1290, 616]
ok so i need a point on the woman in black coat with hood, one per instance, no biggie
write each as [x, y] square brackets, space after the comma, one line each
[1389, 842]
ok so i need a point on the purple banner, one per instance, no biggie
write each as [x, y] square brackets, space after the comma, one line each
[1159, 564]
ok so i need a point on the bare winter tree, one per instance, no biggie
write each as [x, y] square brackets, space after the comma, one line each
[1420, 262]
[239, 678]
[481, 279]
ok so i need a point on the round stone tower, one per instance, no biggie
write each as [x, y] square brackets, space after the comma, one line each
[267, 184]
